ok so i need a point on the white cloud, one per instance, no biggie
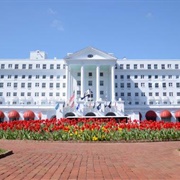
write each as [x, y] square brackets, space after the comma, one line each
[51, 11]
[149, 15]
[57, 25]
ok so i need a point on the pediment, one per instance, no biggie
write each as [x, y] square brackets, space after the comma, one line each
[89, 53]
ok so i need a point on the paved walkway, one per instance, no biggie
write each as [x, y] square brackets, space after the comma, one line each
[62, 160]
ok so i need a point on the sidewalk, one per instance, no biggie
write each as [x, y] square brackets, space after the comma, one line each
[63, 160]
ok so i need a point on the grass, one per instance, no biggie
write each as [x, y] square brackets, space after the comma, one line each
[2, 151]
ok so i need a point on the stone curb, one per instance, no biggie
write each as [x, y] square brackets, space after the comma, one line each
[7, 153]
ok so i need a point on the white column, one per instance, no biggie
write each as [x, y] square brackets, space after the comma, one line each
[82, 81]
[67, 82]
[97, 83]
[112, 84]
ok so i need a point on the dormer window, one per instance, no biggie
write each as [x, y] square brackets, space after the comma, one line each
[89, 55]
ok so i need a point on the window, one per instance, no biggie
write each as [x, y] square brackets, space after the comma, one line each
[150, 94]
[16, 66]
[121, 66]
[43, 85]
[50, 94]
[156, 94]
[136, 85]
[78, 74]
[64, 76]
[142, 76]
[150, 85]
[37, 76]
[44, 66]
[156, 76]
[64, 66]
[9, 66]
[8, 94]
[9, 76]
[50, 85]
[136, 94]
[43, 94]
[14, 93]
[30, 76]
[15, 85]
[22, 85]
[30, 66]
[1, 94]
[101, 74]
[135, 66]
[22, 93]
[57, 85]
[178, 93]
[44, 76]
[122, 85]
[156, 85]
[58, 66]
[128, 85]
[169, 65]
[162, 66]
[9, 84]
[15, 76]
[128, 94]
[51, 76]
[1, 85]
[149, 76]
[79, 93]
[78, 83]
[90, 74]
[122, 94]
[101, 83]
[176, 66]
[170, 93]
[64, 85]
[36, 84]
[135, 76]
[163, 76]
[115, 76]
[37, 66]
[101, 92]
[28, 94]
[36, 94]
[121, 76]
[141, 66]
[164, 94]
[116, 85]
[23, 66]
[23, 76]
[29, 85]
[164, 85]
[51, 66]
[2, 66]
[170, 76]
[142, 84]
[127, 66]
[2, 76]
[89, 83]
[155, 66]
[128, 76]
[178, 85]
[57, 94]
[58, 76]
[143, 94]
[170, 84]
[149, 66]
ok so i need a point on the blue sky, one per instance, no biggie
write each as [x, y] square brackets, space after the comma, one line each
[135, 29]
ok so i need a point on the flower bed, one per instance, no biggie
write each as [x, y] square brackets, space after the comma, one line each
[90, 130]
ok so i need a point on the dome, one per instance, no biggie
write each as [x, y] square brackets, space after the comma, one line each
[165, 114]
[177, 114]
[2, 114]
[13, 114]
[150, 114]
[29, 115]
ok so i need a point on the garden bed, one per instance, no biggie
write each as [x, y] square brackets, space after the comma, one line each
[88, 130]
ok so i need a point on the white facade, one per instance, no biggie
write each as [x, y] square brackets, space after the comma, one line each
[130, 87]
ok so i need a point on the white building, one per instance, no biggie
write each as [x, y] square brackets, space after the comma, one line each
[40, 88]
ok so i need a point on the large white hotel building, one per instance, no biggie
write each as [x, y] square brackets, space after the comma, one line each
[42, 88]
